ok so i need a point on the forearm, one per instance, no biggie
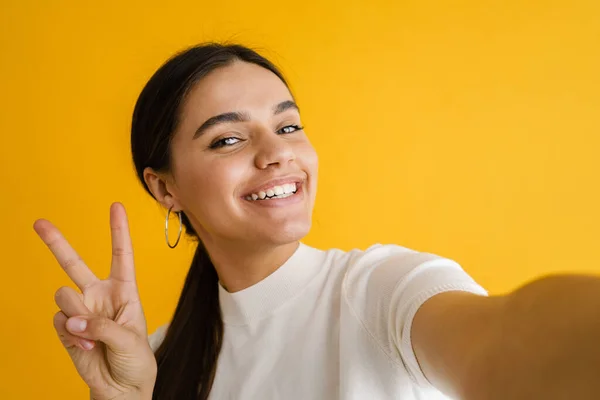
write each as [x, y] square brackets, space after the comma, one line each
[547, 343]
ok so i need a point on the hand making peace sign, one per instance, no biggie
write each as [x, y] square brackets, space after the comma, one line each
[103, 328]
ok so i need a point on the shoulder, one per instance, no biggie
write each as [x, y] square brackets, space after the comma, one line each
[157, 337]
[390, 261]
[389, 273]
[356, 258]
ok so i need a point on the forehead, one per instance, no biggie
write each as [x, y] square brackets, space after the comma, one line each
[239, 86]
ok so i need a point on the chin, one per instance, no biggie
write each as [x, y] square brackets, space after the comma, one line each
[291, 231]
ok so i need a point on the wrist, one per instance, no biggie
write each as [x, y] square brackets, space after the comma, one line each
[140, 394]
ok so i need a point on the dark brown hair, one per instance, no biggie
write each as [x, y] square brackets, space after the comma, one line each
[187, 358]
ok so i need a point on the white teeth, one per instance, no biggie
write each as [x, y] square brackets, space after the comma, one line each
[279, 192]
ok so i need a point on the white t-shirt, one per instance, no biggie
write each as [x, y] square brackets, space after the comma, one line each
[331, 325]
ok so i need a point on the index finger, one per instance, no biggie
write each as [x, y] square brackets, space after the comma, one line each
[122, 267]
[66, 256]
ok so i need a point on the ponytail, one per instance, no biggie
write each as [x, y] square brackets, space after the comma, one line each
[187, 357]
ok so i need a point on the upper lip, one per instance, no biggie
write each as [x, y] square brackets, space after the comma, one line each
[276, 182]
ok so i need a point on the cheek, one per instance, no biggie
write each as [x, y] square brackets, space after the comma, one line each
[214, 181]
[309, 159]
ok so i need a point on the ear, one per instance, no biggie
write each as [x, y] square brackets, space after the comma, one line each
[163, 191]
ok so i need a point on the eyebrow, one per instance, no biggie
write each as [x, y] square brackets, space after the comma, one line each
[238, 116]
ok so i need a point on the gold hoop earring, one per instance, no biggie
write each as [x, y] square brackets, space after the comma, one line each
[167, 228]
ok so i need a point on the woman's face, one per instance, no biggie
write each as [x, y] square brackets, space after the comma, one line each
[243, 169]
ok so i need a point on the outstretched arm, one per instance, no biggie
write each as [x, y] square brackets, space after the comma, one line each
[540, 341]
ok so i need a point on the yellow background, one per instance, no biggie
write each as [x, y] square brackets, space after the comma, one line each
[461, 128]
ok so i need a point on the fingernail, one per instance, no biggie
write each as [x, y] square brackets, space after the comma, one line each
[76, 324]
[86, 344]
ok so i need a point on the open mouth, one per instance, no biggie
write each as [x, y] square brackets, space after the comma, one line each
[275, 192]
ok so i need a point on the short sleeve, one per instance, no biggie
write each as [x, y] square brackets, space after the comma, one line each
[156, 338]
[385, 286]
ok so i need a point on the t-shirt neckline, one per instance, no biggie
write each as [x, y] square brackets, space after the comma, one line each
[264, 297]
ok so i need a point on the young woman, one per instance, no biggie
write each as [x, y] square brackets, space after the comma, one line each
[217, 139]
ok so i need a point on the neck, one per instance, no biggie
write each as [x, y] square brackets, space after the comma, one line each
[240, 266]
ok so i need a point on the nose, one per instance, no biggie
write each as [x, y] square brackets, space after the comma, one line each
[273, 150]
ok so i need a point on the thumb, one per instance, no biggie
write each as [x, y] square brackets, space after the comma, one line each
[115, 336]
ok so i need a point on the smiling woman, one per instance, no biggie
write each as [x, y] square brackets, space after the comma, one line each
[217, 138]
